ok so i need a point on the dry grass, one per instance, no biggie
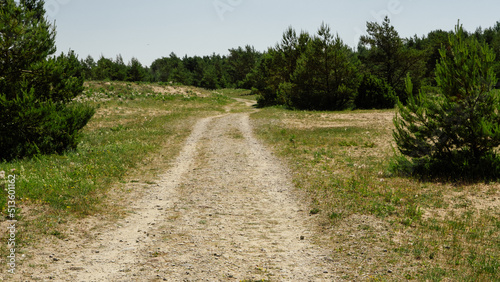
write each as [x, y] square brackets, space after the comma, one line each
[131, 139]
[384, 227]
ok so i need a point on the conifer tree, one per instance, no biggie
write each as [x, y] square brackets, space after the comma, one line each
[37, 112]
[135, 71]
[456, 131]
[326, 76]
[388, 58]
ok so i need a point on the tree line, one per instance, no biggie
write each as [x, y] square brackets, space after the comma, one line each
[211, 72]
[304, 71]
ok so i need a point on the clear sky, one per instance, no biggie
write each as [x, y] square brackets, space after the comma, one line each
[151, 29]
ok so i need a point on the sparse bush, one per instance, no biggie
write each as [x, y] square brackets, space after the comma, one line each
[375, 93]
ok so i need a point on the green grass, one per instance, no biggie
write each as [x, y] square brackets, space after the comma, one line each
[429, 231]
[432, 231]
[131, 125]
[238, 93]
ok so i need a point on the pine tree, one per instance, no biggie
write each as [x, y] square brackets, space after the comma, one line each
[455, 131]
[388, 58]
[277, 66]
[119, 71]
[37, 114]
[89, 66]
[375, 93]
[326, 76]
[135, 71]
[210, 79]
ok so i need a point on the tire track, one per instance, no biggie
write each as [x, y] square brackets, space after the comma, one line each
[225, 211]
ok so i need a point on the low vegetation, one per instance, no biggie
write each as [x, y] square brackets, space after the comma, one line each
[71, 145]
[136, 131]
[383, 226]
[392, 228]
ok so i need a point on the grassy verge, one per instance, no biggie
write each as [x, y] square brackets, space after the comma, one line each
[384, 228]
[134, 123]
[238, 93]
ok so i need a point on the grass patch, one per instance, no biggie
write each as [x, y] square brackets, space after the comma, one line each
[427, 230]
[238, 93]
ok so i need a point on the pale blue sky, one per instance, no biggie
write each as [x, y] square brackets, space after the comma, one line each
[151, 29]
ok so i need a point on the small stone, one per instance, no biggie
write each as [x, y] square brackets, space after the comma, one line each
[389, 271]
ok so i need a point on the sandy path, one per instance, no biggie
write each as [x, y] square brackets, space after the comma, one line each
[224, 212]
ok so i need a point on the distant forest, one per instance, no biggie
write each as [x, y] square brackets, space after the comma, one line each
[307, 71]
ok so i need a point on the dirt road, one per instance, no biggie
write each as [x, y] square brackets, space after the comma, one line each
[225, 211]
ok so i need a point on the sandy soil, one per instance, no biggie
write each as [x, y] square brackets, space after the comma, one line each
[225, 211]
